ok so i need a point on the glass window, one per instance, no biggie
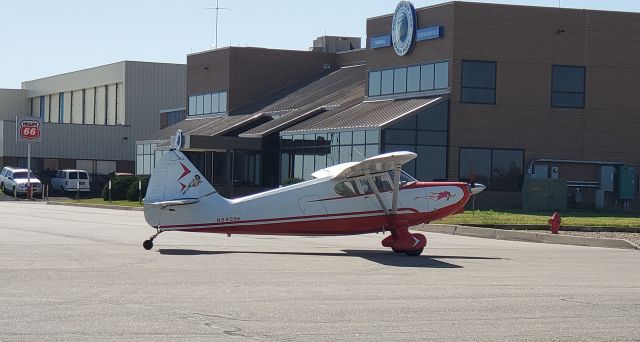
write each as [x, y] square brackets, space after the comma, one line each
[297, 166]
[207, 103]
[346, 189]
[147, 148]
[397, 137]
[334, 157]
[309, 160]
[215, 103]
[506, 173]
[321, 161]
[431, 163]
[358, 153]
[382, 182]
[345, 154]
[441, 75]
[413, 78]
[374, 83]
[567, 88]
[345, 138]
[371, 150]
[426, 77]
[223, 102]
[400, 80]
[435, 118]
[432, 138]
[335, 138]
[199, 104]
[570, 100]
[408, 123]
[140, 149]
[387, 82]
[372, 137]
[359, 137]
[475, 165]
[364, 185]
[478, 82]
[568, 79]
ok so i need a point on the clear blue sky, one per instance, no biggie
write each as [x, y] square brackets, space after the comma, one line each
[43, 38]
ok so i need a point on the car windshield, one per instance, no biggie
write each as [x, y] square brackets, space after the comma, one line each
[20, 175]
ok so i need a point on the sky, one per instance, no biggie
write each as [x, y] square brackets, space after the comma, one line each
[43, 38]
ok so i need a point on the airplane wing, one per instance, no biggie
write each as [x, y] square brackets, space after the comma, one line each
[391, 161]
[376, 164]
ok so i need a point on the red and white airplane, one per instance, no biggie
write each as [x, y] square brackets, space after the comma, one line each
[373, 195]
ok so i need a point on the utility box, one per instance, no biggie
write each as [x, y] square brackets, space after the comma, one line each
[626, 182]
[607, 179]
[540, 171]
[540, 194]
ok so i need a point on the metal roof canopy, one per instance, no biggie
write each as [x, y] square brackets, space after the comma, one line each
[365, 116]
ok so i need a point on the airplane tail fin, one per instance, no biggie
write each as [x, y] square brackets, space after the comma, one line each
[175, 181]
[174, 178]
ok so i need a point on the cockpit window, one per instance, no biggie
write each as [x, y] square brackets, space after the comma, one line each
[382, 183]
[405, 178]
[366, 188]
[347, 189]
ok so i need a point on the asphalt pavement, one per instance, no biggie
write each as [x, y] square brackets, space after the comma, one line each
[71, 273]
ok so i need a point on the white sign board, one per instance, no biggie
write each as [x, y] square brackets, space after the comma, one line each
[28, 129]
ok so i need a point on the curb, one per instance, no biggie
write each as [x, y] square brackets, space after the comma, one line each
[99, 206]
[562, 227]
[513, 235]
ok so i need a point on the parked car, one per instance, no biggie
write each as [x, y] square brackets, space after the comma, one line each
[70, 180]
[14, 179]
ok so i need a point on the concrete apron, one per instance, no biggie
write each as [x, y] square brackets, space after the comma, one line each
[513, 235]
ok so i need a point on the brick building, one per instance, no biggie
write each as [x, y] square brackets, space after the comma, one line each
[482, 92]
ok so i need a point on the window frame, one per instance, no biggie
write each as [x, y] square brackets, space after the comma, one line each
[584, 86]
[495, 81]
[491, 150]
[420, 91]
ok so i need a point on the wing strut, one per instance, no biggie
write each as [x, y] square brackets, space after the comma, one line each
[396, 188]
[373, 186]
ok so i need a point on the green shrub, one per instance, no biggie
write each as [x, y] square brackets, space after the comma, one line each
[132, 192]
[119, 187]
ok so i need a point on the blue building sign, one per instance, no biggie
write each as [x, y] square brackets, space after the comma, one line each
[381, 41]
[427, 33]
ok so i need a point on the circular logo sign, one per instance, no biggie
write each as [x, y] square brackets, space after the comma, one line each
[403, 27]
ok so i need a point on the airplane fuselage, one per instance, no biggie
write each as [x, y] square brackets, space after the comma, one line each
[315, 207]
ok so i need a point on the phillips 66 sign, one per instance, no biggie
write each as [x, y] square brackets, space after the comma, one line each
[29, 129]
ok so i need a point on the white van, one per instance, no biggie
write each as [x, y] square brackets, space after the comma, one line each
[69, 180]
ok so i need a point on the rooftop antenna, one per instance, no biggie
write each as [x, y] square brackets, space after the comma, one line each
[217, 8]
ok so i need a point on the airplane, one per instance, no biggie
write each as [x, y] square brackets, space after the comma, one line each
[372, 195]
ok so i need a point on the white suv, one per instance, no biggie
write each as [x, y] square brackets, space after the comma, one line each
[71, 180]
[14, 179]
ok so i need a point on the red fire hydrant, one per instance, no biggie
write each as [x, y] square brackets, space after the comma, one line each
[554, 223]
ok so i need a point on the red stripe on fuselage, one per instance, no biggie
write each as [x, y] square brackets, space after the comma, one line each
[324, 224]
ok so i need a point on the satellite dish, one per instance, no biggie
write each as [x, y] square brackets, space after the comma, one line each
[177, 142]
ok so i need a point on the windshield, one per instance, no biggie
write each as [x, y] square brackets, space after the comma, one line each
[404, 177]
[20, 175]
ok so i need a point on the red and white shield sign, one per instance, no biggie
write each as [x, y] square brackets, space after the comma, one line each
[30, 129]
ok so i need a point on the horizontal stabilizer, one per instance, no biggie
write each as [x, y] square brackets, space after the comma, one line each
[171, 203]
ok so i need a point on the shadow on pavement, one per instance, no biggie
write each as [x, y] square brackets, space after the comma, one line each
[387, 258]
